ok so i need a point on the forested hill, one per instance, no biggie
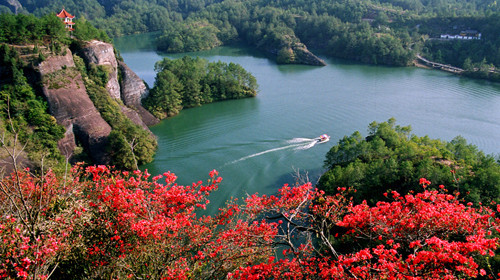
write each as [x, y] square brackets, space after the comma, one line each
[121, 17]
[390, 157]
[378, 32]
[68, 98]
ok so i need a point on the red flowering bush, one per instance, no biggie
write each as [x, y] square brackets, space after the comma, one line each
[38, 216]
[117, 225]
[141, 228]
[429, 235]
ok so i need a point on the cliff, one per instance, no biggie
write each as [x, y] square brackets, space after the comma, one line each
[131, 89]
[63, 87]
[101, 53]
[66, 94]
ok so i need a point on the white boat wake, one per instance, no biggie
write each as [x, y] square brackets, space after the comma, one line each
[295, 144]
[301, 140]
[307, 146]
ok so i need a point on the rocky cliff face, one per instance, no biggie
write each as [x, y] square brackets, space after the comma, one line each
[133, 87]
[69, 103]
[101, 53]
[133, 90]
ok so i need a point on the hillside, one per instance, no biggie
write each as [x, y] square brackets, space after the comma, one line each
[378, 32]
[390, 158]
[65, 97]
[85, 110]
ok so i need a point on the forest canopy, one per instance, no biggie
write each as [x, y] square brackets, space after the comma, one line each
[378, 32]
[190, 82]
[391, 158]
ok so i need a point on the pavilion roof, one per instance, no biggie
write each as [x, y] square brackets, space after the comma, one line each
[64, 14]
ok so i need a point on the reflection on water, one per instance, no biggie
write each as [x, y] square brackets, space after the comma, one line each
[137, 42]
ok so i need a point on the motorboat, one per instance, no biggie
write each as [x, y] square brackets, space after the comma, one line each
[323, 138]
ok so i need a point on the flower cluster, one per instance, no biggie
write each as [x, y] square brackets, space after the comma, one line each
[104, 223]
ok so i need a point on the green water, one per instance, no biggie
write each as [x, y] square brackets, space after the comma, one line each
[258, 144]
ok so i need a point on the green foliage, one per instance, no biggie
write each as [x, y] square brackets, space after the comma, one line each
[127, 17]
[165, 99]
[29, 113]
[99, 74]
[190, 82]
[85, 31]
[389, 157]
[54, 28]
[285, 55]
[187, 37]
[21, 29]
[49, 29]
[378, 32]
[25, 113]
[129, 144]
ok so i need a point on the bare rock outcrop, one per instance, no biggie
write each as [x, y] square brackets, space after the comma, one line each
[304, 56]
[297, 53]
[133, 90]
[14, 5]
[69, 103]
[101, 53]
[132, 115]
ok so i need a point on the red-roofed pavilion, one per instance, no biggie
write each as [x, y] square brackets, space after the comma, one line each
[67, 19]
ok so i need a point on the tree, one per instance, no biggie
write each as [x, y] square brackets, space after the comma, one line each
[85, 31]
[468, 64]
[427, 235]
[390, 158]
[103, 223]
[38, 217]
[165, 99]
[190, 82]
[54, 28]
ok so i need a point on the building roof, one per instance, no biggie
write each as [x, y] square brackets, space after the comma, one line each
[64, 14]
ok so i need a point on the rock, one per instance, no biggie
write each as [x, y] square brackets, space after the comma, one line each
[134, 117]
[133, 90]
[101, 53]
[14, 5]
[68, 144]
[296, 53]
[291, 51]
[304, 56]
[56, 63]
[69, 103]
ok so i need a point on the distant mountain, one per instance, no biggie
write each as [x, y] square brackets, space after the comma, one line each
[377, 32]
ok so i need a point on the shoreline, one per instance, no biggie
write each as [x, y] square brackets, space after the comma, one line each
[420, 65]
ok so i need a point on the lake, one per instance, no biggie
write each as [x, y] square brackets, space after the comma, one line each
[259, 144]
